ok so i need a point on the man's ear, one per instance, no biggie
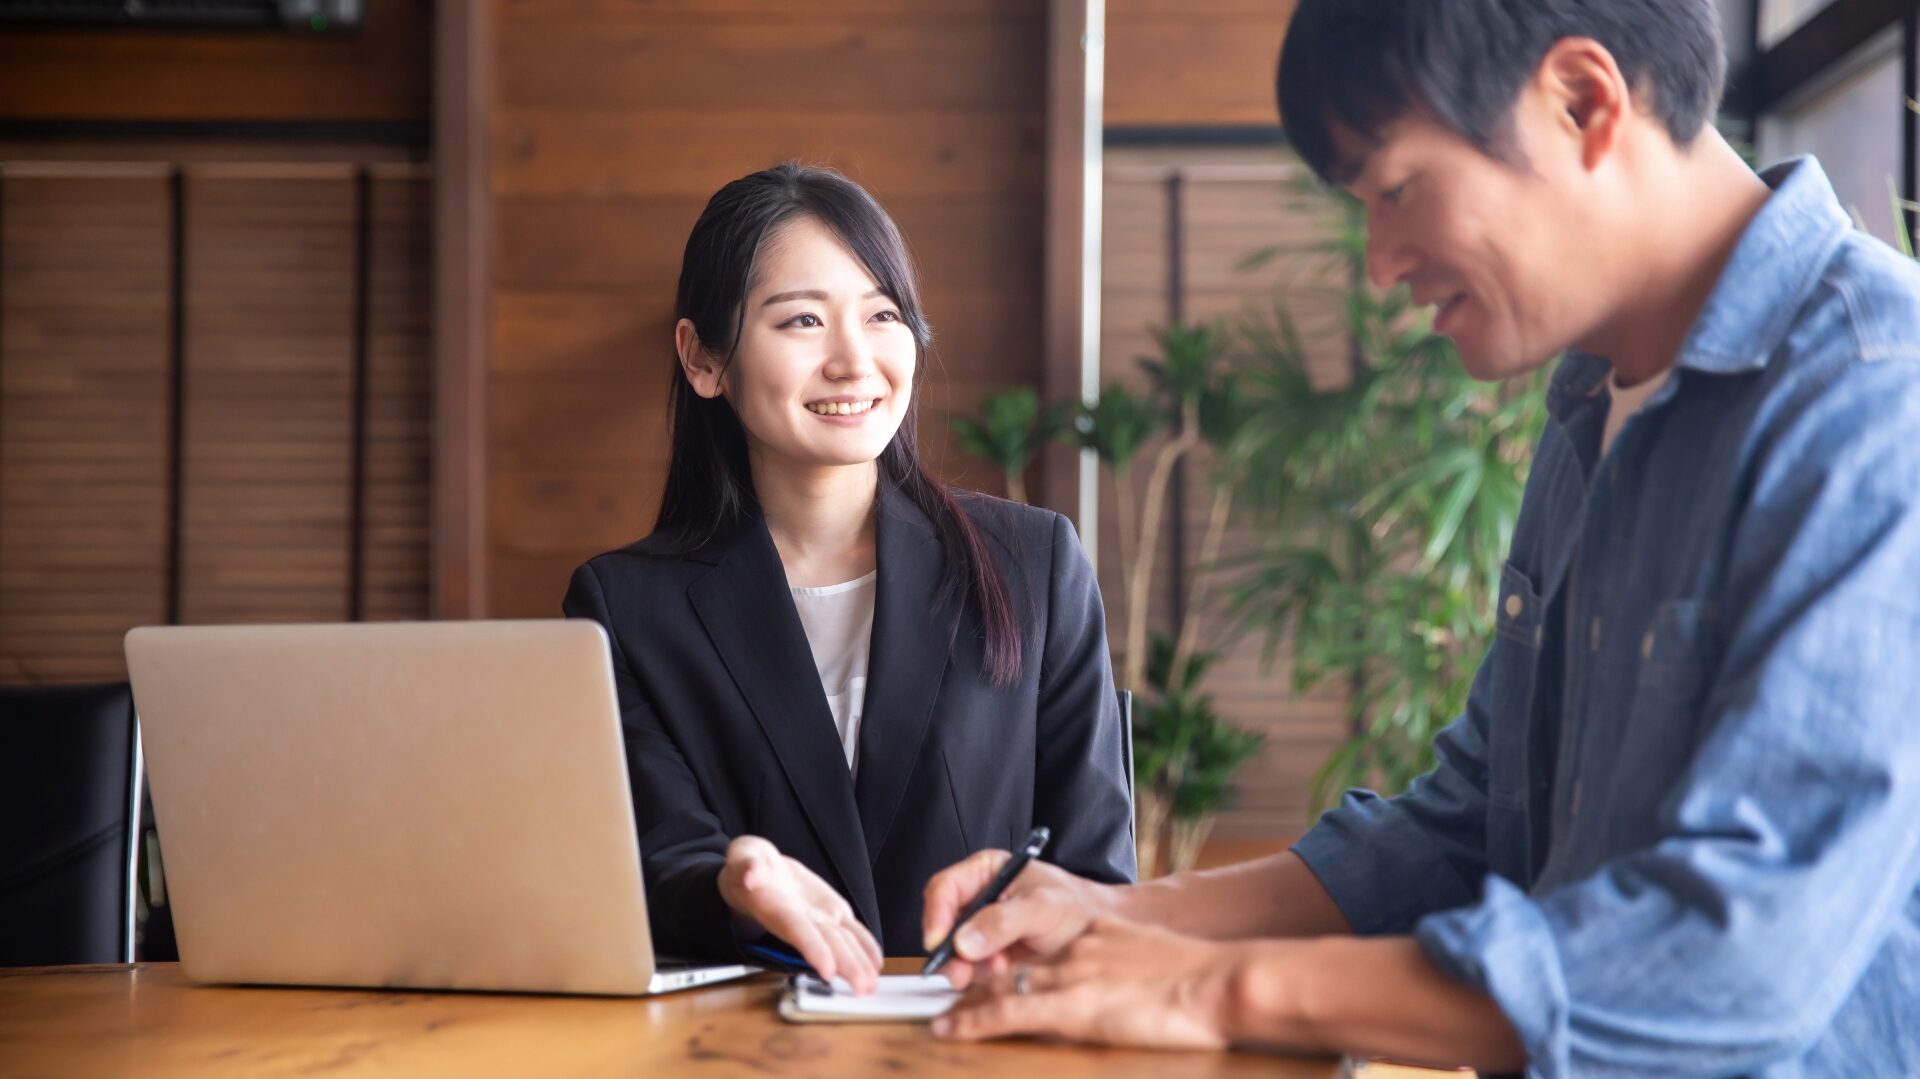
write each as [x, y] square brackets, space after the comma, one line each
[703, 368]
[1591, 99]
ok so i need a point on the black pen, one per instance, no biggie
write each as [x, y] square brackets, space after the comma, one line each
[1036, 842]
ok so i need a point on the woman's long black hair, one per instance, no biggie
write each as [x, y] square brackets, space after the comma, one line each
[709, 485]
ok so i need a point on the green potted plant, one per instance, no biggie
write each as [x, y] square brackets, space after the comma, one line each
[1011, 429]
[1386, 506]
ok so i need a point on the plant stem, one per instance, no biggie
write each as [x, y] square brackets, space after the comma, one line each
[1016, 485]
[1150, 824]
[1209, 552]
[1124, 524]
[1186, 839]
[1143, 556]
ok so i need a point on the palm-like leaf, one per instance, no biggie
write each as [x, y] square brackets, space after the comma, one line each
[1392, 499]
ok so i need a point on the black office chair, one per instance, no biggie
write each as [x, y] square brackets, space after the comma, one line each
[71, 783]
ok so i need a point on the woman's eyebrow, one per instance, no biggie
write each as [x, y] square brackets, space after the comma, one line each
[810, 294]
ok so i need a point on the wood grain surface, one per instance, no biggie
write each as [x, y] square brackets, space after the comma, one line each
[148, 1020]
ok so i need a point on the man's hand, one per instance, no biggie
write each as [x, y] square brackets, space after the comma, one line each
[1040, 912]
[788, 900]
[1116, 984]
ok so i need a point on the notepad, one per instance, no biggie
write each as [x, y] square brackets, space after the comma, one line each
[900, 998]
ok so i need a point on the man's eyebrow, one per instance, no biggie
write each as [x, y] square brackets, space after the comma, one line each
[818, 295]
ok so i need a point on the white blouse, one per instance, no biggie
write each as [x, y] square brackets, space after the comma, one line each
[838, 619]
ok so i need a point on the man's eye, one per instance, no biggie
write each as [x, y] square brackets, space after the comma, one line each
[1391, 196]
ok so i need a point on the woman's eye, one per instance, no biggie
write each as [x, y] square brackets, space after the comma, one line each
[1391, 196]
[887, 316]
[802, 321]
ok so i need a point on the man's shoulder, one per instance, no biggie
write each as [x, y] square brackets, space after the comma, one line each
[1867, 308]
[1880, 290]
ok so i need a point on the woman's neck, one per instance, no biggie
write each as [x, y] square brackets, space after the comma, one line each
[821, 519]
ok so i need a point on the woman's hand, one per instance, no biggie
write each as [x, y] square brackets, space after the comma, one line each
[787, 899]
[1116, 984]
[1044, 909]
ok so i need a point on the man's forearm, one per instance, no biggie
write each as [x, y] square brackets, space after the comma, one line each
[1271, 897]
[1378, 997]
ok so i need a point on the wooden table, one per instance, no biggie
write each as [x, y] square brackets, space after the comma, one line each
[148, 1020]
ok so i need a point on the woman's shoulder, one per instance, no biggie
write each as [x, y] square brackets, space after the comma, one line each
[658, 556]
[1020, 529]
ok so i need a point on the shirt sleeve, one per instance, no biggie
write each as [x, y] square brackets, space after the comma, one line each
[1388, 861]
[1789, 849]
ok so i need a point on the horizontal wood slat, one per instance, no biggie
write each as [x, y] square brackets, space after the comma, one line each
[83, 419]
[612, 126]
[1186, 63]
[377, 74]
[86, 258]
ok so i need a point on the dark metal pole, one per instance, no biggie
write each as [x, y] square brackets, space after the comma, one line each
[362, 299]
[176, 390]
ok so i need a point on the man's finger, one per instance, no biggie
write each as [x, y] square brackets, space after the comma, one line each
[961, 973]
[1007, 923]
[1003, 1016]
[951, 888]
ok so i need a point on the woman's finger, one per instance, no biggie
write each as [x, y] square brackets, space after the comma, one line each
[854, 965]
[793, 923]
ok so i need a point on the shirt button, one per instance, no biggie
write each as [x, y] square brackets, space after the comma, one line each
[1514, 606]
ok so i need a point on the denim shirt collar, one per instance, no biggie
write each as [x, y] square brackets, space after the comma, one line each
[1773, 269]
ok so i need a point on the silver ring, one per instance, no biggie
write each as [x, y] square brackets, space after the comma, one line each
[1021, 983]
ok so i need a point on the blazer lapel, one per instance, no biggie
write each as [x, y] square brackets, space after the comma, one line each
[905, 665]
[748, 613]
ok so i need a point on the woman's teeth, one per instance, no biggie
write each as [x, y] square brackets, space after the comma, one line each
[842, 408]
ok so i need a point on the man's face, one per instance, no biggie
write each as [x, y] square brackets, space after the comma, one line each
[1491, 246]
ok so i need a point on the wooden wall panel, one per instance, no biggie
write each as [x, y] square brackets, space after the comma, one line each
[613, 123]
[269, 318]
[87, 256]
[399, 395]
[377, 75]
[1230, 203]
[1185, 63]
[84, 284]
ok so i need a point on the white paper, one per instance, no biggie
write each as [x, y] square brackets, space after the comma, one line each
[899, 996]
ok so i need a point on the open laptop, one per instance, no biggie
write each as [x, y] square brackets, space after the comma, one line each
[421, 805]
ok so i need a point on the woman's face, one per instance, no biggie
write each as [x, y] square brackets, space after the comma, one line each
[823, 372]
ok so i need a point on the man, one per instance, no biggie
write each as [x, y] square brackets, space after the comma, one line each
[1677, 828]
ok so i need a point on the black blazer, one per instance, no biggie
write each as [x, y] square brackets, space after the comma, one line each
[728, 732]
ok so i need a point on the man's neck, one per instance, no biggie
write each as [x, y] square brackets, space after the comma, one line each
[821, 518]
[1702, 202]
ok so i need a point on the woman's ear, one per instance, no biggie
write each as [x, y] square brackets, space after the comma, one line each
[702, 368]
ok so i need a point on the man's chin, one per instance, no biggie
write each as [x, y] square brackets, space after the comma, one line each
[1496, 365]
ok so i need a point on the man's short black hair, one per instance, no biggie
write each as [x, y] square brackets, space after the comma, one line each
[1362, 64]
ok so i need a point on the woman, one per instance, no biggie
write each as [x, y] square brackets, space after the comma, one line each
[837, 676]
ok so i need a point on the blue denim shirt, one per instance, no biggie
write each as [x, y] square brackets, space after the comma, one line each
[1677, 829]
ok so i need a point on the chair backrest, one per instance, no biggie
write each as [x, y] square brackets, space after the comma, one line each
[69, 796]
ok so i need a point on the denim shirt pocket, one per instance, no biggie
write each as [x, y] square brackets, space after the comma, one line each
[1679, 652]
[1678, 649]
[1514, 663]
